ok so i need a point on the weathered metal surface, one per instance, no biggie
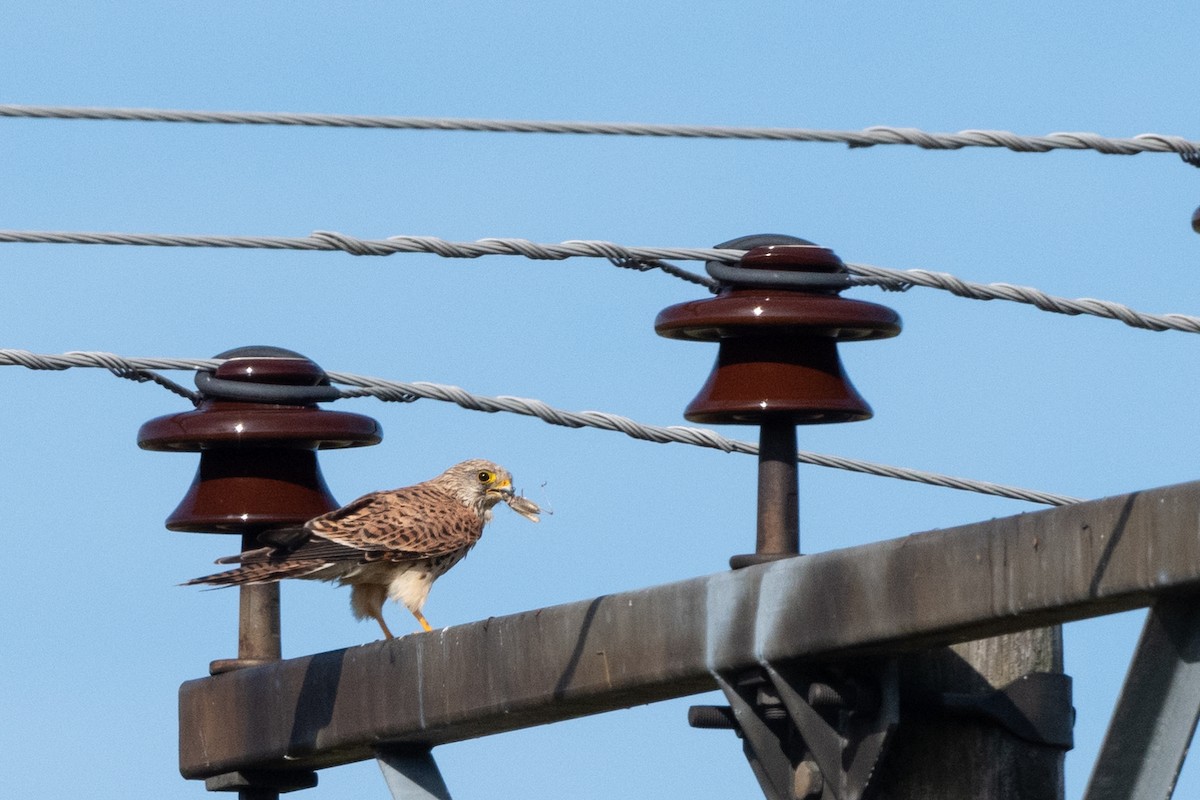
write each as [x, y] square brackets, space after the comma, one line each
[1156, 715]
[668, 641]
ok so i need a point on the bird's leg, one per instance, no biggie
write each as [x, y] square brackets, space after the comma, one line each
[367, 601]
[421, 619]
[387, 634]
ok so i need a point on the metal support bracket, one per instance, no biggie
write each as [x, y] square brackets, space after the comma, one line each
[1035, 707]
[276, 781]
[412, 774]
[808, 734]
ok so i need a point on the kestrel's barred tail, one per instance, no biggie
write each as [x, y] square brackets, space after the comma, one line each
[259, 573]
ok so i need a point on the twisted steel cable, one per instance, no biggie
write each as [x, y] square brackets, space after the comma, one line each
[900, 279]
[331, 240]
[867, 137]
[640, 258]
[408, 392]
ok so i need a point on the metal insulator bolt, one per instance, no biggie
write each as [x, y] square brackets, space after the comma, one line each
[822, 694]
[711, 717]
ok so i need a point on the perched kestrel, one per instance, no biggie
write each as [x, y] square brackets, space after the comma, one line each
[385, 544]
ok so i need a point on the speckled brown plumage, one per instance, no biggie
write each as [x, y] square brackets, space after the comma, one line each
[385, 544]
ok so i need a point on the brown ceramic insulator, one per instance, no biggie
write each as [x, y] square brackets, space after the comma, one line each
[234, 424]
[239, 489]
[279, 370]
[258, 463]
[796, 380]
[777, 358]
[793, 258]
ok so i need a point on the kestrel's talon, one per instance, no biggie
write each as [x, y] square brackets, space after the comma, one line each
[387, 544]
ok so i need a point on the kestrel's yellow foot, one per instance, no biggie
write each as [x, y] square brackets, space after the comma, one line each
[421, 619]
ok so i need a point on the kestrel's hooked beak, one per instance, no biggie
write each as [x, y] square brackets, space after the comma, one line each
[522, 505]
[502, 488]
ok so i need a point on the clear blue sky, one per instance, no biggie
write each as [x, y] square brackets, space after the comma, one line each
[98, 635]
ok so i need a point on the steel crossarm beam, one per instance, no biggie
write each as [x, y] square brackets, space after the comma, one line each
[668, 641]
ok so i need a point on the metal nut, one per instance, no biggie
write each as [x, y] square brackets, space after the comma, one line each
[808, 781]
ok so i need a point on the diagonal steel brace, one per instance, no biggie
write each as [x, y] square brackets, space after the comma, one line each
[1156, 715]
[797, 751]
[411, 773]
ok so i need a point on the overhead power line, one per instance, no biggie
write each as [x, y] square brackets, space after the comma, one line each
[331, 240]
[642, 258]
[401, 391]
[867, 137]
[891, 278]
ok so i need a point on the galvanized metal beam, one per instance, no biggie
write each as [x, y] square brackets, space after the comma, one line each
[668, 641]
[1156, 714]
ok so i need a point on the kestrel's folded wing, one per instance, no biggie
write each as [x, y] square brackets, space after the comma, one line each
[311, 548]
[416, 521]
[277, 544]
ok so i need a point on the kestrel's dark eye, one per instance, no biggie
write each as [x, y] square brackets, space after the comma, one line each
[485, 476]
